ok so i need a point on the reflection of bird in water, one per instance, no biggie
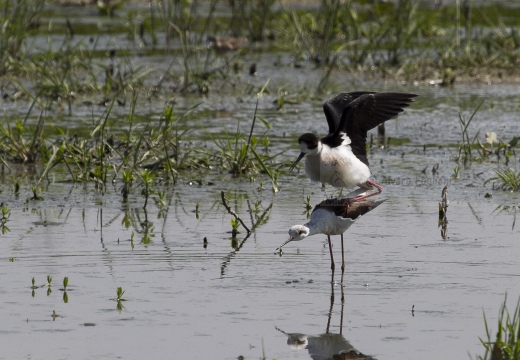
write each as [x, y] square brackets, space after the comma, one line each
[340, 158]
[324, 347]
[332, 217]
[327, 346]
[226, 44]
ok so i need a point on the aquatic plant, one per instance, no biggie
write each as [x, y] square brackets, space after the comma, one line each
[19, 144]
[455, 174]
[18, 20]
[236, 220]
[119, 298]
[506, 344]
[147, 179]
[262, 218]
[467, 144]
[234, 228]
[65, 297]
[234, 153]
[36, 194]
[120, 292]
[6, 213]
[509, 179]
[49, 281]
[197, 210]
[128, 177]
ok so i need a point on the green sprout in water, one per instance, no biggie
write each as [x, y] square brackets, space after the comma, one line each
[49, 280]
[197, 209]
[3, 220]
[128, 178]
[33, 284]
[455, 173]
[35, 191]
[160, 201]
[234, 228]
[65, 284]
[307, 203]
[147, 178]
[120, 292]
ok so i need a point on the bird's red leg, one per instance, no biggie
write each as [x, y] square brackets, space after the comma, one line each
[362, 197]
[331, 257]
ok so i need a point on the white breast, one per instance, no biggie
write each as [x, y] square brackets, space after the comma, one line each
[337, 166]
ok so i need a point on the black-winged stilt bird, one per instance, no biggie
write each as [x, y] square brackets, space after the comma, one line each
[340, 158]
[330, 217]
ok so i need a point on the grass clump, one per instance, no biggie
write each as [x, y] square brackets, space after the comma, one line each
[506, 344]
[18, 20]
[509, 179]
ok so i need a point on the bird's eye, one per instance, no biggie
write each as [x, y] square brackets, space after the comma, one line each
[301, 232]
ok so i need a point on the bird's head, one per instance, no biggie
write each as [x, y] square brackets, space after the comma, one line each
[309, 144]
[298, 232]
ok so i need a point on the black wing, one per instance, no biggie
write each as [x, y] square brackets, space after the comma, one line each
[354, 210]
[334, 107]
[368, 111]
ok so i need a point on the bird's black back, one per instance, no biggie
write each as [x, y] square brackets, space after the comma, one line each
[353, 211]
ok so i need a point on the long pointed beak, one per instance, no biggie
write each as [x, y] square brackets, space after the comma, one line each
[302, 154]
[288, 241]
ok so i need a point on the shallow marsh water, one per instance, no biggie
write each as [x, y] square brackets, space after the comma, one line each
[187, 301]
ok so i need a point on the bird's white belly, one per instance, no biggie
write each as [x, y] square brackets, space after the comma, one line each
[338, 168]
[326, 222]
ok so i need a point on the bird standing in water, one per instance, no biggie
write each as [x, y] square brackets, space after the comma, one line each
[332, 217]
[340, 158]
